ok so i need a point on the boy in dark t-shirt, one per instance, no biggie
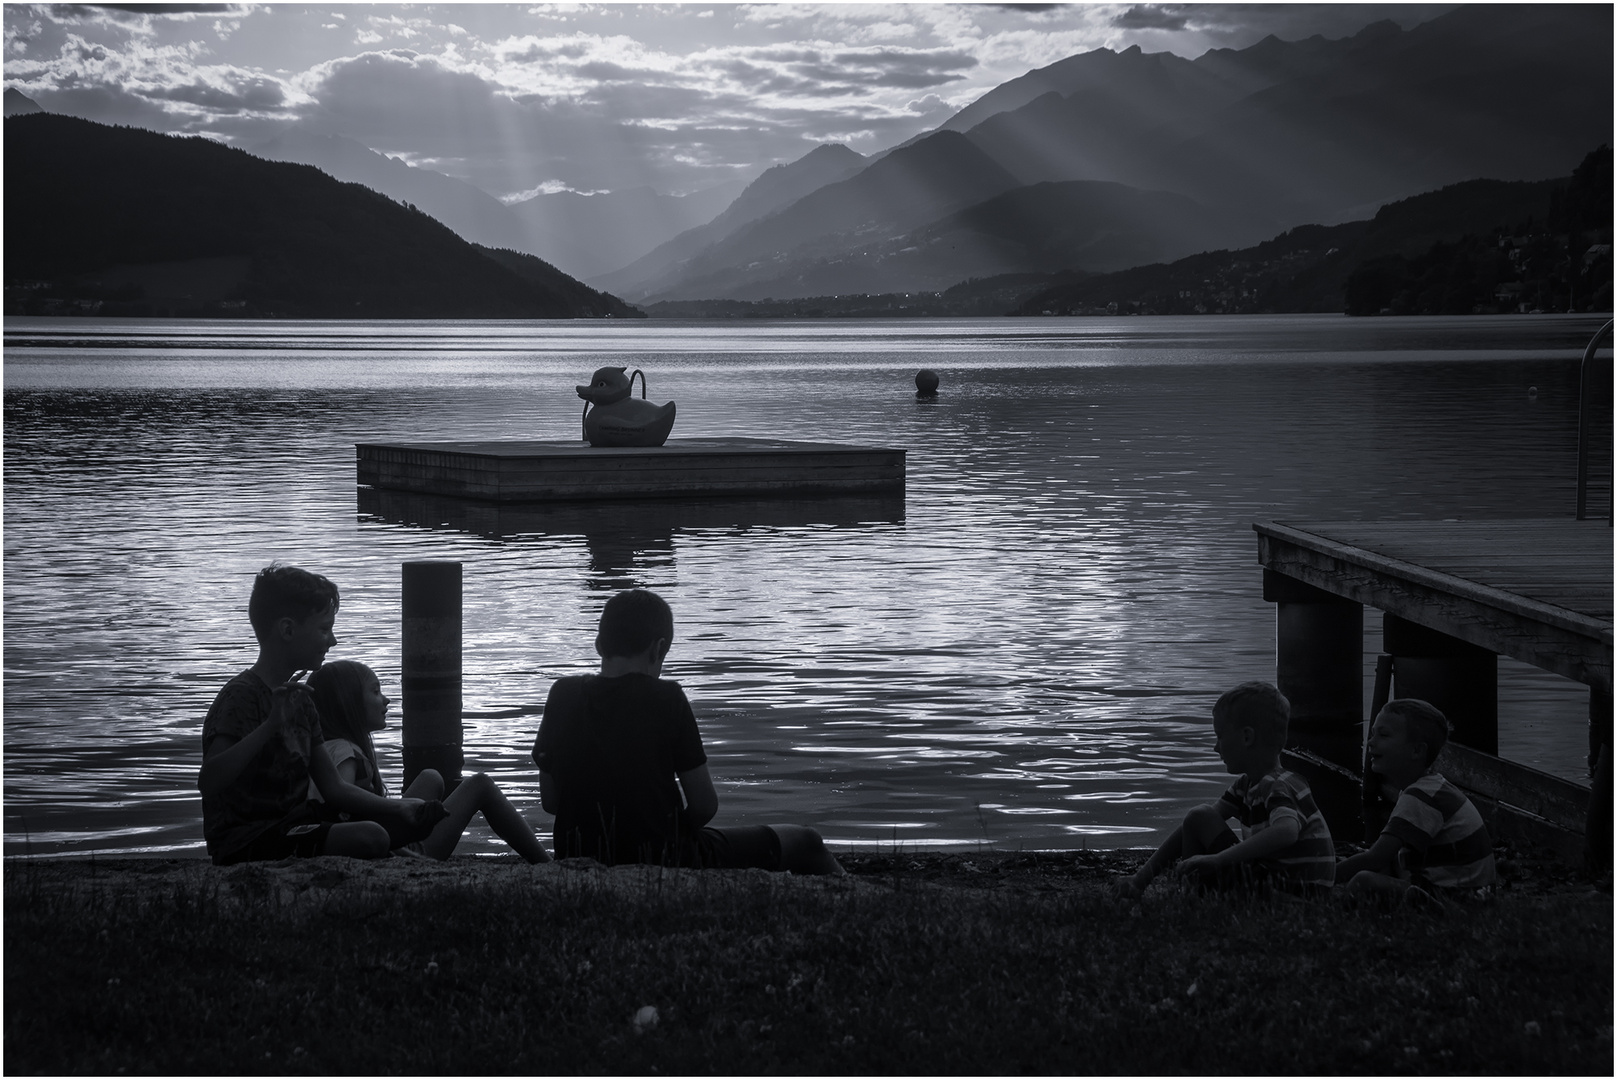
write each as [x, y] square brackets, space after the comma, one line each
[261, 743]
[622, 768]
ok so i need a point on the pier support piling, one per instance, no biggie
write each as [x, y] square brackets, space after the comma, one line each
[1319, 666]
[431, 674]
[1459, 678]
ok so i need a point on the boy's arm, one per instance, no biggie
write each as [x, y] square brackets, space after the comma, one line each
[549, 797]
[226, 758]
[701, 801]
[1380, 857]
[1276, 838]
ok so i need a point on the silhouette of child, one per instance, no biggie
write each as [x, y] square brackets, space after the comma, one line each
[1434, 842]
[622, 768]
[260, 744]
[1284, 839]
[351, 704]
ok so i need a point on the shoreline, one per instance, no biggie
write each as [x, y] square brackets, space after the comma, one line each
[1521, 873]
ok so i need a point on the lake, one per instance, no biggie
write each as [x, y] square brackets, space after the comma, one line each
[1021, 651]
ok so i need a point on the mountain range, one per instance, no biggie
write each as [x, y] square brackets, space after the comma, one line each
[1233, 147]
[584, 235]
[1480, 246]
[1092, 165]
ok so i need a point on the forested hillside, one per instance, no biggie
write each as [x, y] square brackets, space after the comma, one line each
[116, 220]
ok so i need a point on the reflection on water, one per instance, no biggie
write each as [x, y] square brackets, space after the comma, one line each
[621, 534]
[1021, 650]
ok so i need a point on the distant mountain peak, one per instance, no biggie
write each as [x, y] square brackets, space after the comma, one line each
[20, 104]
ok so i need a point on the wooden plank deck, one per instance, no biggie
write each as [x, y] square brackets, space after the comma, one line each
[531, 470]
[1536, 590]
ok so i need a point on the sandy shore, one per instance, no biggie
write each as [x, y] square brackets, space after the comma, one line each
[304, 880]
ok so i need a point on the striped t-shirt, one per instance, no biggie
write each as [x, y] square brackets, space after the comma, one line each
[1447, 842]
[1280, 795]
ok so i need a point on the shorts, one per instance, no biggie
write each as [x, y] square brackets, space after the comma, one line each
[740, 848]
[301, 835]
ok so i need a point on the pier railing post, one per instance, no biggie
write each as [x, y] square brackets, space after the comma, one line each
[1319, 666]
[431, 674]
[1597, 830]
[1458, 677]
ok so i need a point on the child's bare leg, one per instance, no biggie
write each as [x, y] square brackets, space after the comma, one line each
[358, 840]
[480, 792]
[1202, 831]
[802, 851]
[1205, 833]
[1379, 888]
[428, 784]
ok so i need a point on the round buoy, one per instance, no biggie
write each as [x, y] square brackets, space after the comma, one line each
[926, 382]
[1532, 391]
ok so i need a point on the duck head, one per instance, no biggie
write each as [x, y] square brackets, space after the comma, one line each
[607, 385]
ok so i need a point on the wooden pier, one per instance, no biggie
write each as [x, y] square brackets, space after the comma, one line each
[1455, 595]
[528, 471]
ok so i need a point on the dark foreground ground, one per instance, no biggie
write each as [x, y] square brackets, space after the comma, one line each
[984, 963]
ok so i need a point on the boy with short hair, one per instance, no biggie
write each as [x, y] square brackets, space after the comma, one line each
[1285, 841]
[1434, 840]
[261, 742]
[621, 764]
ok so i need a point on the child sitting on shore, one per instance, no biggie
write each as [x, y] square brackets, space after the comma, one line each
[349, 698]
[1285, 842]
[617, 751]
[260, 744]
[1434, 841]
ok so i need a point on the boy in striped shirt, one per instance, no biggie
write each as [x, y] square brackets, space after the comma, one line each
[1434, 840]
[1284, 841]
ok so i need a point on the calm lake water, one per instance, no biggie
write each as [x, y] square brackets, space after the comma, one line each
[1022, 650]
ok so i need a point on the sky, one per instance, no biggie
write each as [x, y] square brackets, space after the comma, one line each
[521, 98]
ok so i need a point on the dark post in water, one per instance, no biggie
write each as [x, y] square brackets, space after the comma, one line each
[1319, 666]
[431, 670]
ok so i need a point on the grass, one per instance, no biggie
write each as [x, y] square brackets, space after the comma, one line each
[978, 971]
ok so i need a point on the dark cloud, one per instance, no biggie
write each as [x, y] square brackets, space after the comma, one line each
[608, 71]
[255, 95]
[1151, 17]
[104, 104]
[139, 14]
[1244, 24]
[931, 58]
[172, 9]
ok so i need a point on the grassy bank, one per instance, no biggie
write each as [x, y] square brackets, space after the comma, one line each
[933, 964]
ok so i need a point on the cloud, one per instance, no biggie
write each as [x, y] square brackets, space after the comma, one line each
[250, 94]
[1151, 17]
[591, 97]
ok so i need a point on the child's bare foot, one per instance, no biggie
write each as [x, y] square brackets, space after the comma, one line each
[1125, 888]
[1418, 899]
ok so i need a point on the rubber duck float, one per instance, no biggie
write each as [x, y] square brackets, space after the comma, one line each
[618, 418]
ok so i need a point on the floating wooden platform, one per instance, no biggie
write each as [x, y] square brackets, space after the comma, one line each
[516, 471]
[1536, 590]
